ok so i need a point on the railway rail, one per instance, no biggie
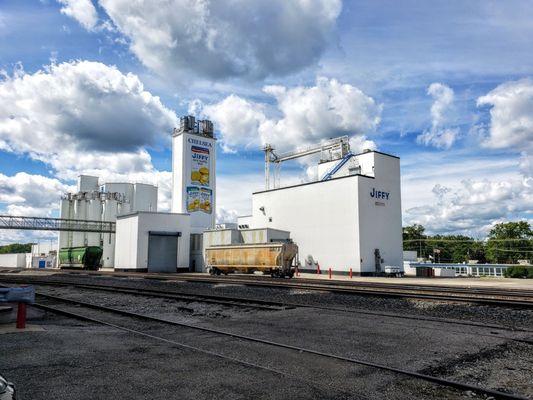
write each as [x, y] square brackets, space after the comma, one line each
[216, 332]
[491, 297]
[284, 305]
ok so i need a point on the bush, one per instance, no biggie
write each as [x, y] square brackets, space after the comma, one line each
[519, 271]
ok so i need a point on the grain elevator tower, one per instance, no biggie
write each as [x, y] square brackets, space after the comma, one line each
[193, 172]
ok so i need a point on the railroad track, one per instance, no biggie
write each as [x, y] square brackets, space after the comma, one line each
[257, 279]
[490, 297]
[52, 302]
[183, 296]
[284, 305]
[333, 285]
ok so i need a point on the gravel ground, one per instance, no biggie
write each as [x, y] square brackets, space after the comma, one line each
[466, 353]
[508, 317]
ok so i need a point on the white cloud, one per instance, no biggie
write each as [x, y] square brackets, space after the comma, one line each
[439, 135]
[81, 10]
[79, 117]
[238, 120]
[443, 98]
[360, 143]
[511, 123]
[33, 195]
[82, 114]
[474, 206]
[307, 115]
[219, 39]
[526, 164]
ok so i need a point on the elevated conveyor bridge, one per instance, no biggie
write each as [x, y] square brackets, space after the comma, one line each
[55, 224]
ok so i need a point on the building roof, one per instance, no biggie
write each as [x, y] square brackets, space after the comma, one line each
[314, 182]
[378, 152]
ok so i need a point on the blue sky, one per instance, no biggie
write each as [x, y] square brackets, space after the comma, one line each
[96, 86]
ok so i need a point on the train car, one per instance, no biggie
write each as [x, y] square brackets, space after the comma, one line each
[273, 258]
[86, 257]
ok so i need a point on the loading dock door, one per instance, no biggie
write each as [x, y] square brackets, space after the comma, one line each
[163, 251]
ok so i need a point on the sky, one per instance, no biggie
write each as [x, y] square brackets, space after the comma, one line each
[96, 86]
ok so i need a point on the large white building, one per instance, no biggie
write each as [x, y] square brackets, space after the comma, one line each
[349, 218]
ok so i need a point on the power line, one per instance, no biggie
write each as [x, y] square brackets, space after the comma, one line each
[514, 250]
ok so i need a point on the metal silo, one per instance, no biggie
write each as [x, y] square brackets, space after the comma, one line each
[111, 205]
[80, 213]
[66, 212]
[94, 213]
[145, 198]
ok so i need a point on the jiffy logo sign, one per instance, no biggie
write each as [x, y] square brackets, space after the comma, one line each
[378, 194]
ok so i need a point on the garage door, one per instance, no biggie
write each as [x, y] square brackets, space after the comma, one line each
[163, 251]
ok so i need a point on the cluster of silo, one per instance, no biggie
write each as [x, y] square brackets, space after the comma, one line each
[103, 203]
[85, 206]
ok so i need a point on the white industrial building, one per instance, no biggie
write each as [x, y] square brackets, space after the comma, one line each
[43, 255]
[94, 202]
[155, 242]
[349, 218]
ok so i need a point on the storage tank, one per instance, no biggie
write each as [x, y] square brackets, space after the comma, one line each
[145, 198]
[80, 213]
[87, 183]
[108, 239]
[67, 212]
[94, 213]
[126, 190]
[124, 208]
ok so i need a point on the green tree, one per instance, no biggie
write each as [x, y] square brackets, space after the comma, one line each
[414, 239]
[450, 248]
[509, 242]
[16, 248]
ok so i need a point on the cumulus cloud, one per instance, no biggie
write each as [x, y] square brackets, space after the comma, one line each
[219, 39]
[77, 113]
[475, 206]
[81, 10]
[238, 120]
[79, 117]
[25, 194]
[511, 115]
[306, 115]
[439, 135]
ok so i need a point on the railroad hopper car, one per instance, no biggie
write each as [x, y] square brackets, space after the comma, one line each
[87, 257]
[273, 258]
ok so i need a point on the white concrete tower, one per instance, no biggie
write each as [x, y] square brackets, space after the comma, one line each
[193, 172]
